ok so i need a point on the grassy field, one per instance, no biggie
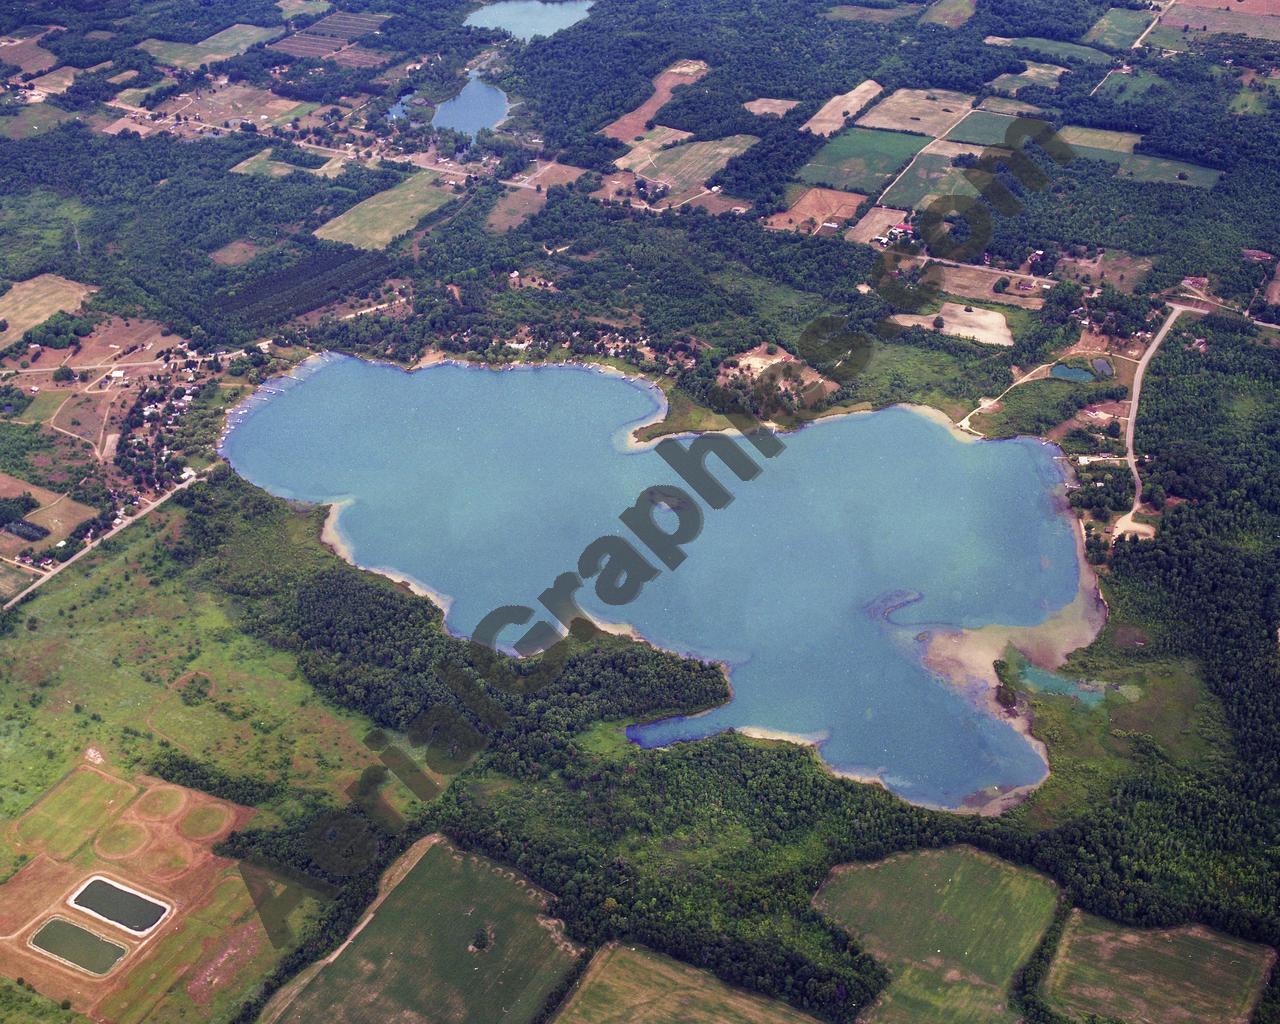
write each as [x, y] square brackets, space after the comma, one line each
[685, 167]
[261, 163]
[1155, 976]
[952, 13]
[952, 925]
[1122, 87]
[458, 940]
[219, 46]
[298, 8]
[630, 985]
[113, 637]
[1119, 28]
[1052, 48]
[925, 111]
[860, 159]
[32, 302]
[33, 119]
[71, 812]
[373, 223]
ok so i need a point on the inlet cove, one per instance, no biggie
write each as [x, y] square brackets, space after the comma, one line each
[856, 588]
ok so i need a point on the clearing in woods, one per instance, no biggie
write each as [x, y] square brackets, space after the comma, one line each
[632, 985]
[459, 939]
[952, 13]
[686, 167]
[1046, 75]
[927, 111]
[219, 46]
[952, 926]
[32, 302]
[816, 207]
[629, 126]
[56, 82]
[1119, 28]
[987, 326]
[1052, 48]
[830, 118]
[1156, 976]
[764, 107]
[852, 12]
[373, 223]
[860, 159]
[237, 102]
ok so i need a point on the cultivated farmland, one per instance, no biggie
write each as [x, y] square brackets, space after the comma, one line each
[983, 128]
[1156, 976]
[458, 939]
[815, 207]
[852, 12]
[32, 302]
[629, 126]
[830, 118]
[1119, 28]
[932, 174]
[860, 159]
[952, 925]
[927, 111]
[1212, 20]
[373, 223]
[765, 107]
[631, 985]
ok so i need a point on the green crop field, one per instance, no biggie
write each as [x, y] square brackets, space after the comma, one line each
[930, 176]
[861, 159]
[952, 925]
[373, 223]
[983, 128]
[33, 119]
[632, 985]
[1155, 976]
[219, 46]
[458, 940]
[1119, 28]
[1052, 48]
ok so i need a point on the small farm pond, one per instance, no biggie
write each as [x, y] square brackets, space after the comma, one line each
[79, 946]
[128, 909]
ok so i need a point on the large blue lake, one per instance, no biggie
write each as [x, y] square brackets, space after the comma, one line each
[525, 19]
[478, 105]
[814, 585]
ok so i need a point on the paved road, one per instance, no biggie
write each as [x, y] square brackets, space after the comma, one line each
[142, 513]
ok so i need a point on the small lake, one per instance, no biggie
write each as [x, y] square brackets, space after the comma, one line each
[817, 585]
[525, 19]
[1076, 374]
[478, 105]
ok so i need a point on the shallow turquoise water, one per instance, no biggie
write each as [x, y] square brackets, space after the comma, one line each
[478, 105]
[485, 486]
[525, 19]
[1043, 681]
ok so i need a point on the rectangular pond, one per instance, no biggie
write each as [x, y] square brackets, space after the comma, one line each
[118, 904]
[77, 946]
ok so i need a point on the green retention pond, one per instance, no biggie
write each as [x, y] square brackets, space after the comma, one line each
[128, 909]
[79, 946]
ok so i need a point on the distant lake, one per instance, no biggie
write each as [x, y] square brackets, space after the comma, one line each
[478, 105]
[815, 585]
[525, 19]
